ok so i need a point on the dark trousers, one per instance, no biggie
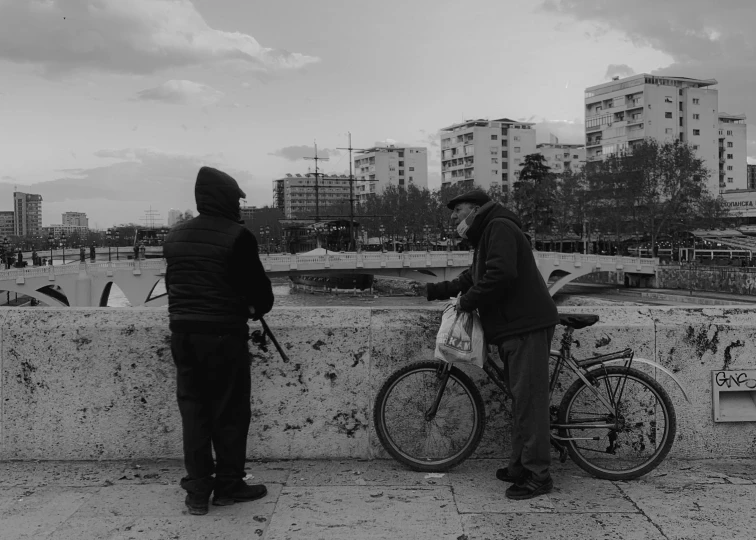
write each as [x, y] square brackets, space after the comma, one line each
[526, 369]
[213, 391]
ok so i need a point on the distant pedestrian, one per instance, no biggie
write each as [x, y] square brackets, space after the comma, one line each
[215, 281]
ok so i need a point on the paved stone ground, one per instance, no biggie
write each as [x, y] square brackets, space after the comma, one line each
[713, 499]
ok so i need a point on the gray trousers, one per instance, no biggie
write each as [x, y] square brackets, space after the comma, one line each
[526, 370]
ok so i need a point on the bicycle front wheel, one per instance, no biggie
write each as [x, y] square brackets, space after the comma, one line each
[643, 423]
[420, 443]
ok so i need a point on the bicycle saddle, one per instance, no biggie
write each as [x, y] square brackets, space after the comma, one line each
[576, 321]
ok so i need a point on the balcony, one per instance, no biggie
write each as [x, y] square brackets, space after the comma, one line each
[593, 129]
[594, 142]
[634, 121]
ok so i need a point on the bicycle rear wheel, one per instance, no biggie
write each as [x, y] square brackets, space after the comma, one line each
[644, 423]
[434, 445]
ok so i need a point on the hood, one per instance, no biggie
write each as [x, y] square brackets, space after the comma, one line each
[217, 194]
[490, 210]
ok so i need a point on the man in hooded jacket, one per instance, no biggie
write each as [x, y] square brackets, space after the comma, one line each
[518, 316]
[215, 281]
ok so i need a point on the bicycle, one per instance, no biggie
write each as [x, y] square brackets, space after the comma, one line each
[615, 422]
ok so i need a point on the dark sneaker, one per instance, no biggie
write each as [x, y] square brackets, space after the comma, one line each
[504, 476]
[529, 488]
[239, 492]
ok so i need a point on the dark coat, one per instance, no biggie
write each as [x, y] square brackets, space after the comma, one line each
[214, 271]
[503, 283]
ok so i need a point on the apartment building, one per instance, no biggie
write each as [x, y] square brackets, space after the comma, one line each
[733, 156]
[381, 166]
[78, 219]
[295, 195]
[623, 112]
[57, 229]
[562, 157]
[173, 216]
[6, 223]
[28, 214]
[488, 153]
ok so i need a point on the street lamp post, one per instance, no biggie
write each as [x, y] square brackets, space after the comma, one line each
[449, 232]
[406, 237]
[51, 241]
[267, 233]
[117, 236]
[63, 239]
[382, 229]
[6, 254]
[426, 230]
[109, 238]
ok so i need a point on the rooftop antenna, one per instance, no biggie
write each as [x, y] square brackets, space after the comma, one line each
[317, 158]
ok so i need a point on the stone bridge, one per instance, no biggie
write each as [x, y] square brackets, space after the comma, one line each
[88, 284]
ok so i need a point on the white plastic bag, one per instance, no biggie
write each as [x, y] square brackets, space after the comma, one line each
[460, 338]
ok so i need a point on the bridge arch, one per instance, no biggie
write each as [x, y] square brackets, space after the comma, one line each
[59, 300]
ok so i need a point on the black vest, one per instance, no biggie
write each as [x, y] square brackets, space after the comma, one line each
[199, 277]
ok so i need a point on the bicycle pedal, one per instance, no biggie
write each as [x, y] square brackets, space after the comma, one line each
[562, 455]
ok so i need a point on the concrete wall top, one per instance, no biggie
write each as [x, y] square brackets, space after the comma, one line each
[99, 383]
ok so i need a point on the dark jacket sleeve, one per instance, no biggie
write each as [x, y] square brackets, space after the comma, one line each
[250, 275]
[448, 289]
[500, 267]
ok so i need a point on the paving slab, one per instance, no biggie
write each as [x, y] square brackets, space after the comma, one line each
[383, 472]
[155, 500]
[31, 513]
[559, 527]
[697, 511]
[374, 512]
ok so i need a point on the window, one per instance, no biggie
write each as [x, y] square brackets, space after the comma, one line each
[517, 137]
[729, 144]
[696, 117]
[401, 172]
[667, 115]
[401, 181]
[729, 132]
[696, 132]
[729, 156]
[517, 149]
[504, 154]
[695, 147]
[494, 137]
[494, 160]
[401, 164]
[504, 142]
[668, 99]
[729, 179]
[517, 174]
[695, 101]
[411, 179]
[668, 131]
[411, 169]
[516, 161]
[729, 167]
[494, 172]
[575, 156]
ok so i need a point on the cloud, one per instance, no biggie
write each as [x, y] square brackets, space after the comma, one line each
[295, 153]
[131, 181]
[181, 92]
[706, 40]
[619, 70]
[134, 36]
[7, 178]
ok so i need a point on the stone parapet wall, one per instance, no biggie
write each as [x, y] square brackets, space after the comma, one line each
[100, 383]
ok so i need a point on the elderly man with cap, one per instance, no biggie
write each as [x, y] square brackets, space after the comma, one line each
[215, 282]
[518, 316]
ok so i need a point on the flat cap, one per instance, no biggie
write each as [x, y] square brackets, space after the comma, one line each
[476, 196]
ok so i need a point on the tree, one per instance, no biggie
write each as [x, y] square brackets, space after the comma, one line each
[668, 180]
[533, 195]
[570, 213]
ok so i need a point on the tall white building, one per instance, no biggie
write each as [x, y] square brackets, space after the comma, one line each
[622, 112]
[733, 156]
[488, 153]
[562, 157]
[377, 168]
[76, 219]
[173, 216]
[28, 214]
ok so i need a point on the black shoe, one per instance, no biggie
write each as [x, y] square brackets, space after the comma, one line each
[197, 504]
[504, 476]
[529, 488]
[239, 492]
[198, 494]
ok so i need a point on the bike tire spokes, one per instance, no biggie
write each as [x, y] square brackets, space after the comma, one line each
[641, 426]
[446, 434]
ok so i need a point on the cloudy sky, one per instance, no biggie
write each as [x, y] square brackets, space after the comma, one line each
[109, 107]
